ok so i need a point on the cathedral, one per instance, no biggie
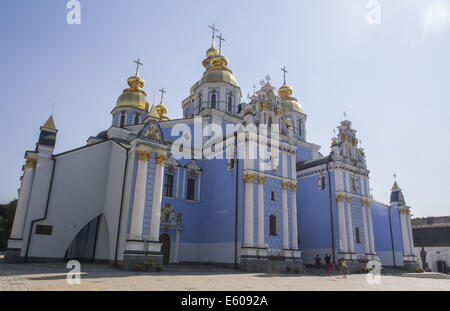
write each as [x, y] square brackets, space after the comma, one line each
[145, 191]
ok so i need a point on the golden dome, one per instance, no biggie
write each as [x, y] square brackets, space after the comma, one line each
[134, 96]
[288, 103]
[212, 51]
[216, 69]
[162, 110]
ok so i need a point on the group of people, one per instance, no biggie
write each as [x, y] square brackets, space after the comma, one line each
[327, 258]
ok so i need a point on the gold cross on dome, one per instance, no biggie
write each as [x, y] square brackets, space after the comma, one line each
[163, 91]
[138, 63]
[284, 73]
[220, 42]
[214, 29]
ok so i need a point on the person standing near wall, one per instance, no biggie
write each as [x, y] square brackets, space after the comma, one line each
[318, 263]
[328, 263]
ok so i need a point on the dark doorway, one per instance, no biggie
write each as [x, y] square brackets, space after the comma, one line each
[441, 266]
[165, 248]
[83, 245]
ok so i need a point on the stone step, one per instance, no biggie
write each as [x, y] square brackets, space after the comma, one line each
[195, 268]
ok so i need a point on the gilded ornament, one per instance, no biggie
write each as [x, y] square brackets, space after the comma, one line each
[144, 155]
[30, 163]
[161, 159]
[349, 198]
[294, 187]
[248, 178]
[340, 197]
[261, 180]
[284, 185]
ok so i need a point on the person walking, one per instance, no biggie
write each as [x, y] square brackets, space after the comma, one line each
[328, 263]
[318, 263]
[344, 267]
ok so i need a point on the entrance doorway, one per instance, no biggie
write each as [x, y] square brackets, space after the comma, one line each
[165, 248]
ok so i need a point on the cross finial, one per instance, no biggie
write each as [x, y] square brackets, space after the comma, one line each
[284, 73]
[214, 29]
[163, 91]
[345, 115]
[220, 42]
[138, 63]
[254, 89]
[395, 176]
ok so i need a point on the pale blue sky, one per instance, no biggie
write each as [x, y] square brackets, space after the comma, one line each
[392, 79]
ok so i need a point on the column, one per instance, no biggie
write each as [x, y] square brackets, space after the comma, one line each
[24, 198]
[351, 243]
[157, 196]
[137, 216]
[406, 248]
[372, 239]
[248, 217]
[261, 180]
[411, 243]
[284, 186]
[341, 224]
[366, 234]
[294, 217]
[177, 246]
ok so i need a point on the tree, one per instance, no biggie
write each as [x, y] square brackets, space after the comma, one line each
[7, 212]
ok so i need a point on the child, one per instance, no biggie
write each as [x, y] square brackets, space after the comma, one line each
[344, 267]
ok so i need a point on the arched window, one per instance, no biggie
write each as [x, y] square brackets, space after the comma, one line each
[239, 108]
[230, 103]
[300, 127]
[269, 126]
[322, 182]
[213, 100]
[199, 102]
[136, 119]
[358, 235]
[273, 224]
[122, 119]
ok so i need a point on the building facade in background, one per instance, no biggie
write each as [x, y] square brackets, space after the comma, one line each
[126, 198]
[432, 242]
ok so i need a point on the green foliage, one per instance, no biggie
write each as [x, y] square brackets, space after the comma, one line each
[7, 212]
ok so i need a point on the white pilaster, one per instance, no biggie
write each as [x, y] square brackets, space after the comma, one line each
[411, 243]
[248, 213]
[137, 217]
[405, 240]
[261, 180]
[351, 243]
[285, 216]
[372, 239]
[157, 196]
[177, 245]
[366, 235]
[24, 198]
[341, 224]
[294, 217]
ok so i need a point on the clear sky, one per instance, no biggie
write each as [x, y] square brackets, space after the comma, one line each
[392, 79]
